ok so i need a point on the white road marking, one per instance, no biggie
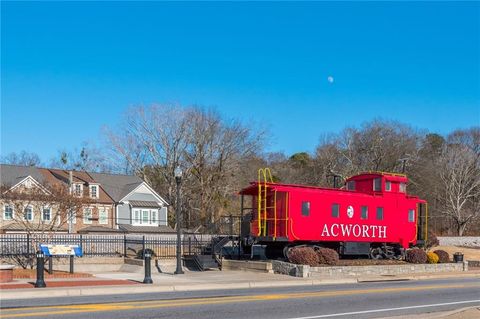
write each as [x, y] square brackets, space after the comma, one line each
[389, 309]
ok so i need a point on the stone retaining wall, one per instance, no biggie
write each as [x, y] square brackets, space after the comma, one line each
[249, 265]
[344, 271]
[460, 241]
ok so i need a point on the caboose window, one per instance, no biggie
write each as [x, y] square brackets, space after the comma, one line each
[403, 187]
[380, 213]
[377, 184]
[335, 210]
[351, 185]
[411, 215]
[388, 186]
[364, 212]
[305, 208]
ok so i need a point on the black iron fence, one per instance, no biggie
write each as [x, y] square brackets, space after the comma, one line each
[162, 246]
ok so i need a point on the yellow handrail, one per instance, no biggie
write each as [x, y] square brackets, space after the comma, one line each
[263, 188]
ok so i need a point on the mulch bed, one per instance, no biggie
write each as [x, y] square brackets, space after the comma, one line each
[32, 274]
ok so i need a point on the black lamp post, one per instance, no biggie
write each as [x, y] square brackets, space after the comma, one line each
[178, 179]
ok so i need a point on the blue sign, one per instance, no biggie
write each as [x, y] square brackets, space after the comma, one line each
[61, 250]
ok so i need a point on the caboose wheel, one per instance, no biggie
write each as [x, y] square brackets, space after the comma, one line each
[376, 253]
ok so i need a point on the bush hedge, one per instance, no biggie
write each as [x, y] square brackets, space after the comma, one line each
[432, 258]
[416, 256]
[327, 256]
[443, 256]
[303, 256]
[432, 240]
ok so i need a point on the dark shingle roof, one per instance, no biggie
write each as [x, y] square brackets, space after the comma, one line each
[117, 186]
[98, 229]
[146, 229]
[13, 174]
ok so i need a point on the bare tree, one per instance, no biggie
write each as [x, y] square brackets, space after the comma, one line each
[39, 210]
[23, 159]
[460, 176]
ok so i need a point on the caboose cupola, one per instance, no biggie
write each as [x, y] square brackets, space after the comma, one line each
[377, 182]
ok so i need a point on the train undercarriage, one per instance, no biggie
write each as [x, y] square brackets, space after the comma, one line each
[279, 249]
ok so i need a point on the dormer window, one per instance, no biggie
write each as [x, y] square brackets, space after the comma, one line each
[78, 189]
[94, 191]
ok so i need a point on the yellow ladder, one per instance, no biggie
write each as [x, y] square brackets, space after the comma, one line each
[264, 177]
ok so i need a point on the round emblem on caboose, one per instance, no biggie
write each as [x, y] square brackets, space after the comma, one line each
[350, 211]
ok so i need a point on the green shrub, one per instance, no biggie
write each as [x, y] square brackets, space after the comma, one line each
[443, 256]
[432, 258]
[303, 256]
[327, 256]
[416, 256]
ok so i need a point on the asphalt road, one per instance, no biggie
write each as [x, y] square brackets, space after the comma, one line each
[363, 300]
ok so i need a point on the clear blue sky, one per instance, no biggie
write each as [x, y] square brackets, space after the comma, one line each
[67, 69]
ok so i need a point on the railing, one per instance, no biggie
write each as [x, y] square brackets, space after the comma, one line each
[163, 246]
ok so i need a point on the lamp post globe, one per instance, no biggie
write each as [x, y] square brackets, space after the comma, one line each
[178, 179]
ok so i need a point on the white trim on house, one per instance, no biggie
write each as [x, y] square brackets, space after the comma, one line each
[154, 193]
[4, 211]
[42, 214]
[103, 221]
[138, 216]
[31, 211]
[87, 220]
[90, 186]
[30, 179]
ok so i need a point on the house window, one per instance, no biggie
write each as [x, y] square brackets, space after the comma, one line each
[87, 216]
[73, 217]
[78, 189]
[411, 215]
[136, 216]
[145, 214]
[7, 212]
[377, 184]
[403, 187]
[380, 213]
[103, 216]
[28, 213]
[94, 191]
[154, 213]
[46, 214]
[388, 186]
[305, 208]
[335, 210]
[364, 214]
[351, 185]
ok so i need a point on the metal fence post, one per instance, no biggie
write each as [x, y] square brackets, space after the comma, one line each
[28, 245]
[125, 246]
[81, 242]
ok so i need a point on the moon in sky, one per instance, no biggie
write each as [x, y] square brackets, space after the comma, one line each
[330, 79]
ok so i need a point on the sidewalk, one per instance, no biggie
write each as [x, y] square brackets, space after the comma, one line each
[125, 283]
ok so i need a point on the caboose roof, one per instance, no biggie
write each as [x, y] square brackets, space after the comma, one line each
[396, 177]
[253, 188]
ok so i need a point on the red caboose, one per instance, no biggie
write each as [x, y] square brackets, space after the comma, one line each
[372, 215]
